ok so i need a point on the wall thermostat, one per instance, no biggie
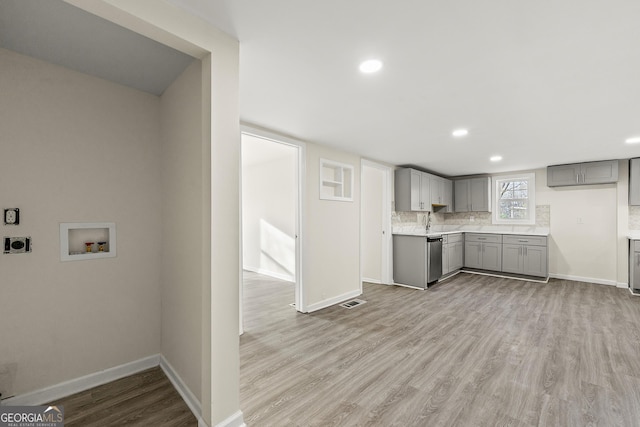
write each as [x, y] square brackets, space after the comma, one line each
[17, 245]
[12, 216]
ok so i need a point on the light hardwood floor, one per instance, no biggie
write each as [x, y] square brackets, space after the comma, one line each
[471, 351]
[144, 399]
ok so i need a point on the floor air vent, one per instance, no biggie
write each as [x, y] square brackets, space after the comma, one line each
[352, 303]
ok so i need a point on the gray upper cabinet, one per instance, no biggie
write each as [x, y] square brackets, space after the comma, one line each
[461, 195]
[442, 193]
[447, 197]
[412, 191]
[472, 195]
[419, 191]
[605, 172]
[634, 182]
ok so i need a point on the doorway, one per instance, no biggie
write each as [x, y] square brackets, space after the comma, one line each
[375, 220]
[271, 206]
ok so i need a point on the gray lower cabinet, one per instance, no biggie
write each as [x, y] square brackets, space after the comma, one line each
[525, 255]
[410, 260]
[604, 172]
[634, 265]
[483, 251]
[452, 253]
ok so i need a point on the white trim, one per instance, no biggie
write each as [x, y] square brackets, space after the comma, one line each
[235, 420]
[623, 285]
[332, 301]
[76, 385]
[408, 286]
[189, 398]
[449, 275]
[301, 178]
[281, 276]
[368, 280]
[504, 276]
[585, 279]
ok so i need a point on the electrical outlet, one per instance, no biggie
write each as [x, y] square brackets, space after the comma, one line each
[12, 216]
[17, 245]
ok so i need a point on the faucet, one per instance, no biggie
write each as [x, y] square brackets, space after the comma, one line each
[427, 221]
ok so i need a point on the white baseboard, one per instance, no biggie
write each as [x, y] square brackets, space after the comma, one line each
[332, 301]
[585, 279]
[275, 275]
[76, 385]
[368, 280]
[189, 398]
[623, 285]
[235, 420]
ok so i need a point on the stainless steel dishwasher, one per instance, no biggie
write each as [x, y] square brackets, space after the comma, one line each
[434, 258]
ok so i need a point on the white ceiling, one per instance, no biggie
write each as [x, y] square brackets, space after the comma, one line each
[540, 82]
[57, 32]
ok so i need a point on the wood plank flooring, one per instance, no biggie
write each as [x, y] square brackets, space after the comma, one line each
[471, 351]
[144, 399]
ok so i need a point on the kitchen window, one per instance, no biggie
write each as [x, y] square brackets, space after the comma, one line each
[514, 199]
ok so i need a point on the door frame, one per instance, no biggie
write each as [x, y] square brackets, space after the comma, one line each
[386, 256]
[247, 129]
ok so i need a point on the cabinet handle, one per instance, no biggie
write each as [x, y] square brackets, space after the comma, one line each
[525, 251]
[522, 240]
[482, 238]
[578, 178]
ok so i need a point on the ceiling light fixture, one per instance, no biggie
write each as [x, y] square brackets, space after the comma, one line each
[459, 133]
[495, 158]
[633, 140]
[371, 66]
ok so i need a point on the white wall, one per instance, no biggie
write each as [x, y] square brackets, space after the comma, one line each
[331, 248]
[182, 226]
[372, 207]
[269, 199]
[586, 250]
[77, 149]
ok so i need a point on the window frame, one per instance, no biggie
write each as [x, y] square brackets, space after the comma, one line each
[531, 197]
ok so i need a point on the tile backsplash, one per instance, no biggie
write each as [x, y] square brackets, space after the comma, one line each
[543, 218]
[634, 217]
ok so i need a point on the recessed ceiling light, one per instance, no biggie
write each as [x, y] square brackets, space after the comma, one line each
[458, 133]
[633, 140]
[371, 66]
[495, 158]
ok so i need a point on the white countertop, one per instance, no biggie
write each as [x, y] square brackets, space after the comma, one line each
[414, 230]
[632, 234]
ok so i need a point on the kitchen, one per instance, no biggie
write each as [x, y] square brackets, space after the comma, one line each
[555, 94]
[586, 227]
